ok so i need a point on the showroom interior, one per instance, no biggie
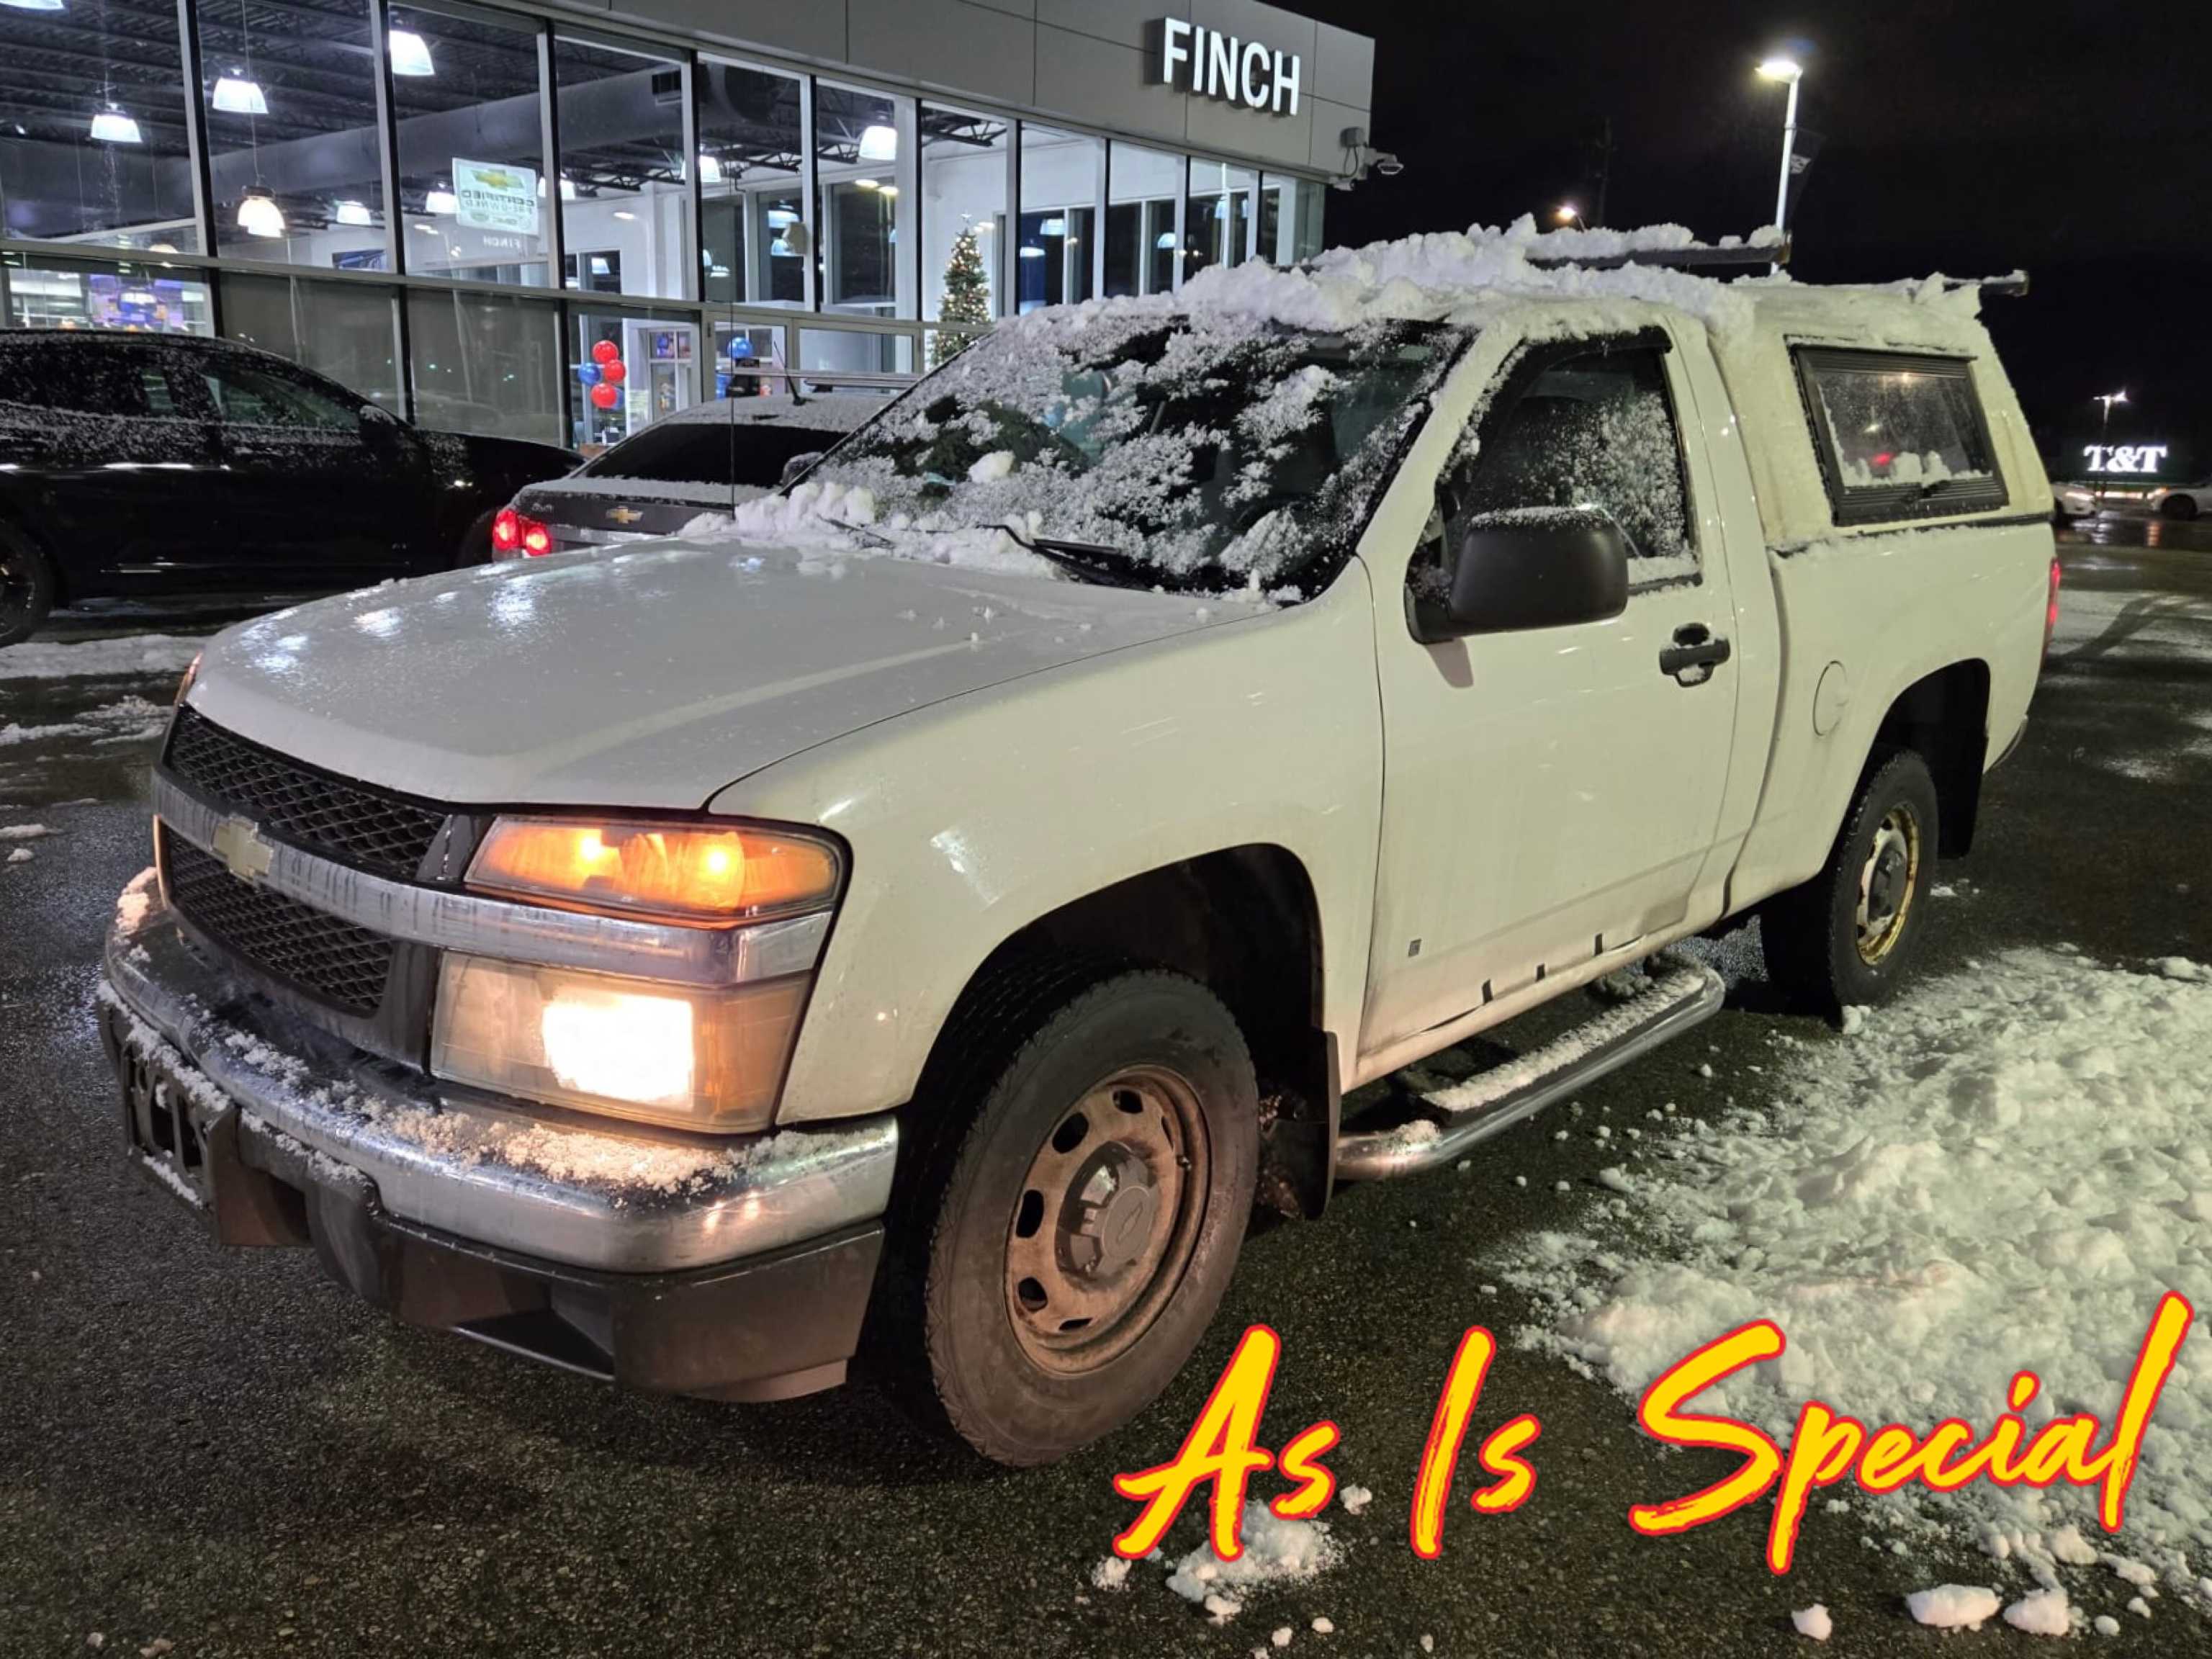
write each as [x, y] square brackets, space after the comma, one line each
[449, 207]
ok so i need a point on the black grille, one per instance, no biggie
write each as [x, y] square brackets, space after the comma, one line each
[329, 959]
[363, 827]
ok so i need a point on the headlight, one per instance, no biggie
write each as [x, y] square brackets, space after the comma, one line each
[700, 1060]
[687, 872]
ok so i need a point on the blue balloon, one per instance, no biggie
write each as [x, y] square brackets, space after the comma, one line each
[740, 349]
[589, 373]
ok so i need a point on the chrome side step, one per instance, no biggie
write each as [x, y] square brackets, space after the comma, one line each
[1686, 993]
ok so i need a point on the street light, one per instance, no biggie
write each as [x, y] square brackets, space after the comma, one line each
[1791, 70]
[1567, 216]
[2104, 431]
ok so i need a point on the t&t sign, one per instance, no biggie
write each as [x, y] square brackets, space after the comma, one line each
[2125, 458]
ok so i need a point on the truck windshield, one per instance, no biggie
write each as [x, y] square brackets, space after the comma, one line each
[1167, 450]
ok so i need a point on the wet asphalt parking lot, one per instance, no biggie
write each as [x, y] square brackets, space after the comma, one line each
[221, 1451]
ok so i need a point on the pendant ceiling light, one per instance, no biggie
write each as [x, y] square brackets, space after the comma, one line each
[880, 143]
[710, 169]
[236, 95]
[112, 126]
[259, 214]
[34, 5]
[410, 54]
[352, 213]
[442, 200]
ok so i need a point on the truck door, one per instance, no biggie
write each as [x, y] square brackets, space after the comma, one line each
[1551, 795]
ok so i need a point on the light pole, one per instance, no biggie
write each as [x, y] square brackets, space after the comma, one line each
[2105, 431]
[1789, 69]
[1567, 216]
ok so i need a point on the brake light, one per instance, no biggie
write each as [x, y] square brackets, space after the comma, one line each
[2051, 612]
[515, 534]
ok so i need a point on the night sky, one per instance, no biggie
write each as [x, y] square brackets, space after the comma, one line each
[2071, 138]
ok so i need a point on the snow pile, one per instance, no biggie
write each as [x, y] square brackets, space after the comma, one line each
[2043, 1613]
[1813, 1621]
[136, 653]
[1953, 1607]
[2004, 1172]
[1276, 1551]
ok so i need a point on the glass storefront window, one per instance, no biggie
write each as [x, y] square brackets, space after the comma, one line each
[345, 330]
[964, 215]
[859, 138]
[153, 299]
[848, 360]
[625, 211]
[1057, 246]
[472, 187]
[91, 102]
[486, 362]
[627, 369]
[1290, 219]
[1143, 190]
[290, 91]
[751, 361]
[1218, 226]
[752, 200]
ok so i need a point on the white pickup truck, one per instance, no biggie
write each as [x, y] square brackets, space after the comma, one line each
[922, 923]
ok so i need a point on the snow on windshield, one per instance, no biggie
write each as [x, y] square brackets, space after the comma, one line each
[1186, 451]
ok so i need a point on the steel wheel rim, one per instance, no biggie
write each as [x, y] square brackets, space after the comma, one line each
[1107, 1220]
[1889, 881]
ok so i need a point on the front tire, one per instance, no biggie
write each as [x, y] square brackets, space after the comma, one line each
[2179, 507]
[1077, 1239]
[27, 588]
[1848, 936]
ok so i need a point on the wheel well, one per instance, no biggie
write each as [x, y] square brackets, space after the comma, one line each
[1944, 718]
[1244, 923]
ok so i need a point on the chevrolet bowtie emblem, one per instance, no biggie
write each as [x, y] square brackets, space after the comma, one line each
[624, 514]
[239, 844]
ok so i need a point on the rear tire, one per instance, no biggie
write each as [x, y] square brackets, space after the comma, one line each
[27, 587]
[1848, 936]
[476, 543]
[1063, 1252]
[2179, 507]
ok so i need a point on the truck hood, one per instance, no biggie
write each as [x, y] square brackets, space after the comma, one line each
[650, 679]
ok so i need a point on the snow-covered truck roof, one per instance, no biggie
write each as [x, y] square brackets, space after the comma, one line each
[1754, 322]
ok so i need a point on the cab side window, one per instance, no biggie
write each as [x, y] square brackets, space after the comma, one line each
[1593, 428]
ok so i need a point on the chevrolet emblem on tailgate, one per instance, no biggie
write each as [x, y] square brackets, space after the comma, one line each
[624, 514]
[239, 844]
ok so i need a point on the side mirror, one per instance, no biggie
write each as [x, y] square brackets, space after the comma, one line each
[796, 467]
[1539, 568]
[379, 425]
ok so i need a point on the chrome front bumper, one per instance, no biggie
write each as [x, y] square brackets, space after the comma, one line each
[536, 1181]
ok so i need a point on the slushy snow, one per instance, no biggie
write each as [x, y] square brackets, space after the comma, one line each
[2004, 1172]
[2043, 1613]
[1276, 1551]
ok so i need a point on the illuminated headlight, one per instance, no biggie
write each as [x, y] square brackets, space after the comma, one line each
[699, 1060]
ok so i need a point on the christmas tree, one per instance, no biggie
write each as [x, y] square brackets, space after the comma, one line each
[967, 294]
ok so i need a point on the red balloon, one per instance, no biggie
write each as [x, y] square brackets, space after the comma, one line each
[613, 372]
[606, 352]
[605, 396]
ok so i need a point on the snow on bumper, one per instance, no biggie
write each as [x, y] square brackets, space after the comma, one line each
[488, 1172]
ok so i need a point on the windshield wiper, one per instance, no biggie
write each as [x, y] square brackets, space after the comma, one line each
[1108, 566]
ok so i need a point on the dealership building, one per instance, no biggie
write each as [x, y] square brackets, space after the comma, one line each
[457, 209]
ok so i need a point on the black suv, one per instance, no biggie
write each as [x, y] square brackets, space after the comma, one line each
[137, 464]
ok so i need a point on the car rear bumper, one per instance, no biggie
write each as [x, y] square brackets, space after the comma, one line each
[732, 1269]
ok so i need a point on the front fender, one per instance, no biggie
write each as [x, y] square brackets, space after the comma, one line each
[969, 820]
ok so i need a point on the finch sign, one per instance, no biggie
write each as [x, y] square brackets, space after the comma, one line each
[1209, 64]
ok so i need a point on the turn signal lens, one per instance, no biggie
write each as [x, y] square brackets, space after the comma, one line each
[688, 874]
[191, 673]
[700, 1060]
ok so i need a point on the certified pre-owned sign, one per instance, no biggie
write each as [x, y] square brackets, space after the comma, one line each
[1211, 64]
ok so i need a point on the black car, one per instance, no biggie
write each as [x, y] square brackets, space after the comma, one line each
[702, 459]
[139, 464]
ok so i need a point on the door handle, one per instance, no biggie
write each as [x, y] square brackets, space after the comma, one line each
[1694, 654]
